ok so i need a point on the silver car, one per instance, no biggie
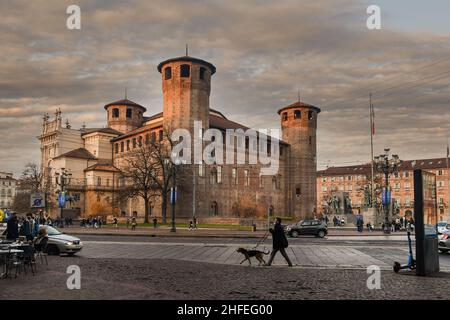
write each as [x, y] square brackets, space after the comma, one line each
[59, 242]
[444, 241]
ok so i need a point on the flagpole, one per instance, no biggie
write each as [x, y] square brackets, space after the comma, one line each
[448, 182]
[372, 191]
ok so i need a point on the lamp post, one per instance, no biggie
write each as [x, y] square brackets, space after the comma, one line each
[386, 166]
[173, 192]
[63, 180]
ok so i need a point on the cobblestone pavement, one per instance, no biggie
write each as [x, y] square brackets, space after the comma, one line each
[126, 278]
[304, 255]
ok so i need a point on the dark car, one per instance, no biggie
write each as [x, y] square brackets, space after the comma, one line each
[315, 228]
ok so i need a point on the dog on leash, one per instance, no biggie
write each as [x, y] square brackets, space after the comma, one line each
[252, 253]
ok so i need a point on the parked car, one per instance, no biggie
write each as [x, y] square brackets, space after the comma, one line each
[442, 226]
[317, 228]
[444, 241]
[59, 242]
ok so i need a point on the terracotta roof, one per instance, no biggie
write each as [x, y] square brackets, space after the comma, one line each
[299, 104]
[125, 102]
[104, 130]
[188, 59]
[347, 170]
[425, 164]
[102, 167]
[80, 153]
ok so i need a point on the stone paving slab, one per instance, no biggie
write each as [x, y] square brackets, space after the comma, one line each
[320, 256]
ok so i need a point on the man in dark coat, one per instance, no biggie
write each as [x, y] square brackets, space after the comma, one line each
[12, 228]
[279, 242]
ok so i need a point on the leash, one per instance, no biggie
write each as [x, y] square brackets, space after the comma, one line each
[264, 238]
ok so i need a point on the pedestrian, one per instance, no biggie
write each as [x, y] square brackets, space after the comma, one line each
[195, 223]
[12, 228]
[155, 222]
[115, 222]
[280, 242]
[191, 225]
[26, 226]
[133, 224]
[128, 222]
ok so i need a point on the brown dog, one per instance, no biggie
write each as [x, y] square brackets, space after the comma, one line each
[252, 253]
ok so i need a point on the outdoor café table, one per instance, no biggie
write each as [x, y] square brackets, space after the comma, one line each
[5, 253]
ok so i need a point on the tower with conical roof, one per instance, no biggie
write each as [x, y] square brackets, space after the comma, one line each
[299, 127]
[186, 86]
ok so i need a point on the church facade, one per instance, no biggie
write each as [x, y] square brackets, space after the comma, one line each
[215, 192]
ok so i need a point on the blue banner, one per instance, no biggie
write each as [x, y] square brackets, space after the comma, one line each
[62, 199]
[386, 197]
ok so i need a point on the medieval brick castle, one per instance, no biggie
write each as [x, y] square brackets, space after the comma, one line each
[215, 192]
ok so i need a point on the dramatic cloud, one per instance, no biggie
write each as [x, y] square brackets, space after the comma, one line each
[263, 50]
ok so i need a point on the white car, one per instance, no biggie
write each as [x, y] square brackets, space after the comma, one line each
[59, 242]
[442, 226]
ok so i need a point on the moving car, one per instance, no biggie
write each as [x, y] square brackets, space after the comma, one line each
[315, 228]
[444, 241]
[59, 242]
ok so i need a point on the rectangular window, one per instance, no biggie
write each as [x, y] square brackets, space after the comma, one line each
[324, 179]
[246, 178]
[122, 146]
[324, 189]
[128, 145]
[129, 113]
[219, 174]
[202, 73]
[134, 142]
[201, 170]
[161, 135]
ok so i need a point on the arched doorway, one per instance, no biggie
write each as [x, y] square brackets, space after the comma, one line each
[214, 209]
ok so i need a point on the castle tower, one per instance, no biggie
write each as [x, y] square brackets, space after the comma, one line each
[186, 86]
[124, 115]
[299, 127]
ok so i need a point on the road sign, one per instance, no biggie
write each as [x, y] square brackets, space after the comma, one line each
[37, 200]
[173, 195]
[62, 199]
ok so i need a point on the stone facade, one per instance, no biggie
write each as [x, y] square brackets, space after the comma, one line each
[7, 190]
[215, 191]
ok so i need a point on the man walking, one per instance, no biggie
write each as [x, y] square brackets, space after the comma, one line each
[279, 242]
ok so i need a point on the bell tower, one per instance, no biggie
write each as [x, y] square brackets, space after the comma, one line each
[186, 86]
[299, 127]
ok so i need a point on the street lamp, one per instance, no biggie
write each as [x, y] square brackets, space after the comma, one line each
[386, 166]
[173, 192]
[63, 180]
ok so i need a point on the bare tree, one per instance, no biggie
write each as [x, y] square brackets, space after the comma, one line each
[30, 181]
[139, 171]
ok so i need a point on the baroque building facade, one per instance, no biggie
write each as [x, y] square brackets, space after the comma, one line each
[354, 182]
[96, 156]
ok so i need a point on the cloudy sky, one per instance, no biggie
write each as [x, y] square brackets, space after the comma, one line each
[263, 51]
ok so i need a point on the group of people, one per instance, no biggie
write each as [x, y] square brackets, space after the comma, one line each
[338, 222]
[92, 222]
[27, 227]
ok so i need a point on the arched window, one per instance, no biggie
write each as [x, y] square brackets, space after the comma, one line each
[129, 113]
[202, 73]
[134, 142]
[168, 73]
[297, 114]
[140, 141]
[147, 139]
[122, 146]
[116, 147]
[99, 181]
[115, 113]
[161, 135]
[153, 139]
[185, 71]
[310, 115]
[285, 116]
